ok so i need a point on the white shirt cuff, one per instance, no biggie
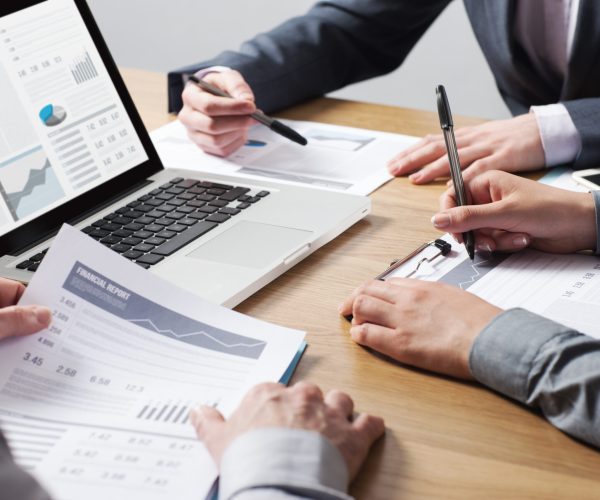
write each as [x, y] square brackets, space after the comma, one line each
[203, 72]
[560, 139]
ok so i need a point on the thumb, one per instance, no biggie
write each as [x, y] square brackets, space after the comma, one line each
[23, 320]
[237, 87]
[206, 420]
[470, 217]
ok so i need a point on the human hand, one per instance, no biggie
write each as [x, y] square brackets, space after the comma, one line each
[510, 213]
[512, 145]
[19, 320]
[425, 324]
[218, 125]
[301, 406]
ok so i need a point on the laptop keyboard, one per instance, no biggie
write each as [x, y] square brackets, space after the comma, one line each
[166, 219]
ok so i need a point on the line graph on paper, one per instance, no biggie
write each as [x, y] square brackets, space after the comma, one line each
[156, 318]
[468, 272]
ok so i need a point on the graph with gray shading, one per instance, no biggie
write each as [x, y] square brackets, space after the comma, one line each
[469, 272]
[28, 183]
[119, 301]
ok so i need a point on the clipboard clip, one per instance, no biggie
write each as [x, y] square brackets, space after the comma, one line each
[444, 249]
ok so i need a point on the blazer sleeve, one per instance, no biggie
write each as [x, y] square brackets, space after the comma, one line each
[585, 114]
[336, 43]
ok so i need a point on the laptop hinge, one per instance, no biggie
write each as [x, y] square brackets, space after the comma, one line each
[85, 215]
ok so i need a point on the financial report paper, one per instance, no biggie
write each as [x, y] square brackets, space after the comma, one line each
[97, 405]
[337, 158]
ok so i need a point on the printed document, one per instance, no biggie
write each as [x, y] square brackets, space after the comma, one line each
[97, 406]
[337, 158]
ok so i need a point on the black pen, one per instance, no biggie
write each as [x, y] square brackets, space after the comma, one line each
[259, 116]
[455, 171]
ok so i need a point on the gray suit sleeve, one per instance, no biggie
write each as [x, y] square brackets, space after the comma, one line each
[585, 114]
[336, 43]
[282, 464]
[544, 365]
[15, 483]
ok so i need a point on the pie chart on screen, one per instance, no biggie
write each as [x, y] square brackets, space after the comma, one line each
[52, 115]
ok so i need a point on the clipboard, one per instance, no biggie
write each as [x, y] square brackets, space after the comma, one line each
[444, 248]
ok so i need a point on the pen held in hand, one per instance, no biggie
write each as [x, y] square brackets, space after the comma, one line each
[447, 125]
[275, 125]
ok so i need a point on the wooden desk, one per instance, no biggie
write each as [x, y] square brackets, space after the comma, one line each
[445, 439]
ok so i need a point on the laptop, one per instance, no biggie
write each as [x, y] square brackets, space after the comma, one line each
[73, 149]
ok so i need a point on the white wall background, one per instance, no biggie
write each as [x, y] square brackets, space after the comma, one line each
[165, 34]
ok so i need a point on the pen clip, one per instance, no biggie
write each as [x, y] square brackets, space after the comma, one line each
[443, 108]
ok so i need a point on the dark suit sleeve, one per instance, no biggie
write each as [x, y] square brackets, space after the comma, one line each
[336, 43]
[15, 483]
[585, 114]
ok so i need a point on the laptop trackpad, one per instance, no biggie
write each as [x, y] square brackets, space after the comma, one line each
[252, 244]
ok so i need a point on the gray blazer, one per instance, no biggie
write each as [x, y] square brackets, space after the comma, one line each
[339, 42]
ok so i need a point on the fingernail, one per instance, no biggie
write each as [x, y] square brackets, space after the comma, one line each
[41, 315]
[484, 247]
[521, 241]
[441, 220]
[414, 177]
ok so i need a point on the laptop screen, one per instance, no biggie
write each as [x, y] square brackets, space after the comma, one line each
[63, 126]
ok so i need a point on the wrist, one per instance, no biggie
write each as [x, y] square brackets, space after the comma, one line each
[584, 221]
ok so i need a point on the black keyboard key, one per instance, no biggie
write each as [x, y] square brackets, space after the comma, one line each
[175, 190]
[197, 190]
[218, 203]
[198, 215]
[122, 220]
[132, 254]
[243, 205]
[208, 210]
[145, 266]
[154, 192]
[146, 197]
[254, 199]
[216, 185]
[154, 202]
[186, 196]
[33, 267]
[122, 210]
[185, 210]
[145, 220]
[149, 259]
[145, 208]
[218, 218]
[155, 241]
[110, 226]
[110, 240]
[216, 192]
[229, 211]
[110, 216]
[98, 233]
[165, 196]
[132, 240]
[175, 215]
[176, 202]
[234, 194]
[176, 180]
[88, 230]
[134, 203]
[157, 214]
[167, 185]
[182, 239]
[262, 194]
[45, 251]
[37, 257]
[144, 247]
[143, 234]
[99, 223]
[154, 228]
[165, 208]
[244, 198]
[164, 222]
[178, 227]
[187, 183]
[166, 234]
[196, 204]
[188, 222]
[134, 214]
[134, 226]
[120, 248]
[123, 233]
[206, 197]
[25, 264]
